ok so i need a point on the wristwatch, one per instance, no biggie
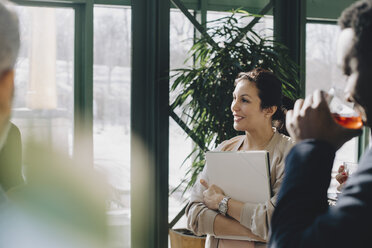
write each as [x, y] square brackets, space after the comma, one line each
[222, 206]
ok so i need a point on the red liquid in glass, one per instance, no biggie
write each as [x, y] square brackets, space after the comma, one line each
[354, 122]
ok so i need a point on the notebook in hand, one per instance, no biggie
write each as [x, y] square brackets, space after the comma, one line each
[244, 176]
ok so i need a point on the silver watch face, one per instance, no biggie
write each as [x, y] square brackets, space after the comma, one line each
[222, 208]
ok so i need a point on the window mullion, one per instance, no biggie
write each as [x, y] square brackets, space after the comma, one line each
[83, 71]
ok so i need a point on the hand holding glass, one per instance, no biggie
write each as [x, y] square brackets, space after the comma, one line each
[350, 168]
[344, 172]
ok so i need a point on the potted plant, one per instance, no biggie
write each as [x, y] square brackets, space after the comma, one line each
[204, 90]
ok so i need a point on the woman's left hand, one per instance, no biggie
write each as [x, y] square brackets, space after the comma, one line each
[212, 196]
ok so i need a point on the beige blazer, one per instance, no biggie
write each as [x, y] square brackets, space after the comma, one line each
[256, 217]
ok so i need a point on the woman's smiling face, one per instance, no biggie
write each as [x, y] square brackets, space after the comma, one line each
[246, 107]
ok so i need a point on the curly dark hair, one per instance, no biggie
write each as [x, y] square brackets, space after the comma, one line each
[270, 93]
[358, 16]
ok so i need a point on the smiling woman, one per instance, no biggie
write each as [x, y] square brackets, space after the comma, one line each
[257, 102]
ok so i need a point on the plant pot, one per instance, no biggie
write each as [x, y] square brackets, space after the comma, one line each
[183, 238]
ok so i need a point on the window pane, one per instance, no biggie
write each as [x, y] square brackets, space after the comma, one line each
[111, 111]
[180, 146]
[44, 86]
[321, 73]
[321, 69]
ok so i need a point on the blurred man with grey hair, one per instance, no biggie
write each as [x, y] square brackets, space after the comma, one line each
[10, 138]
[9, 47]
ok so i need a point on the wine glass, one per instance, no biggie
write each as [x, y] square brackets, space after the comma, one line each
[342, 111]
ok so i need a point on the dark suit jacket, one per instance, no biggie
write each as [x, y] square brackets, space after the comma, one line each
[303, 218]
[11, 160]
